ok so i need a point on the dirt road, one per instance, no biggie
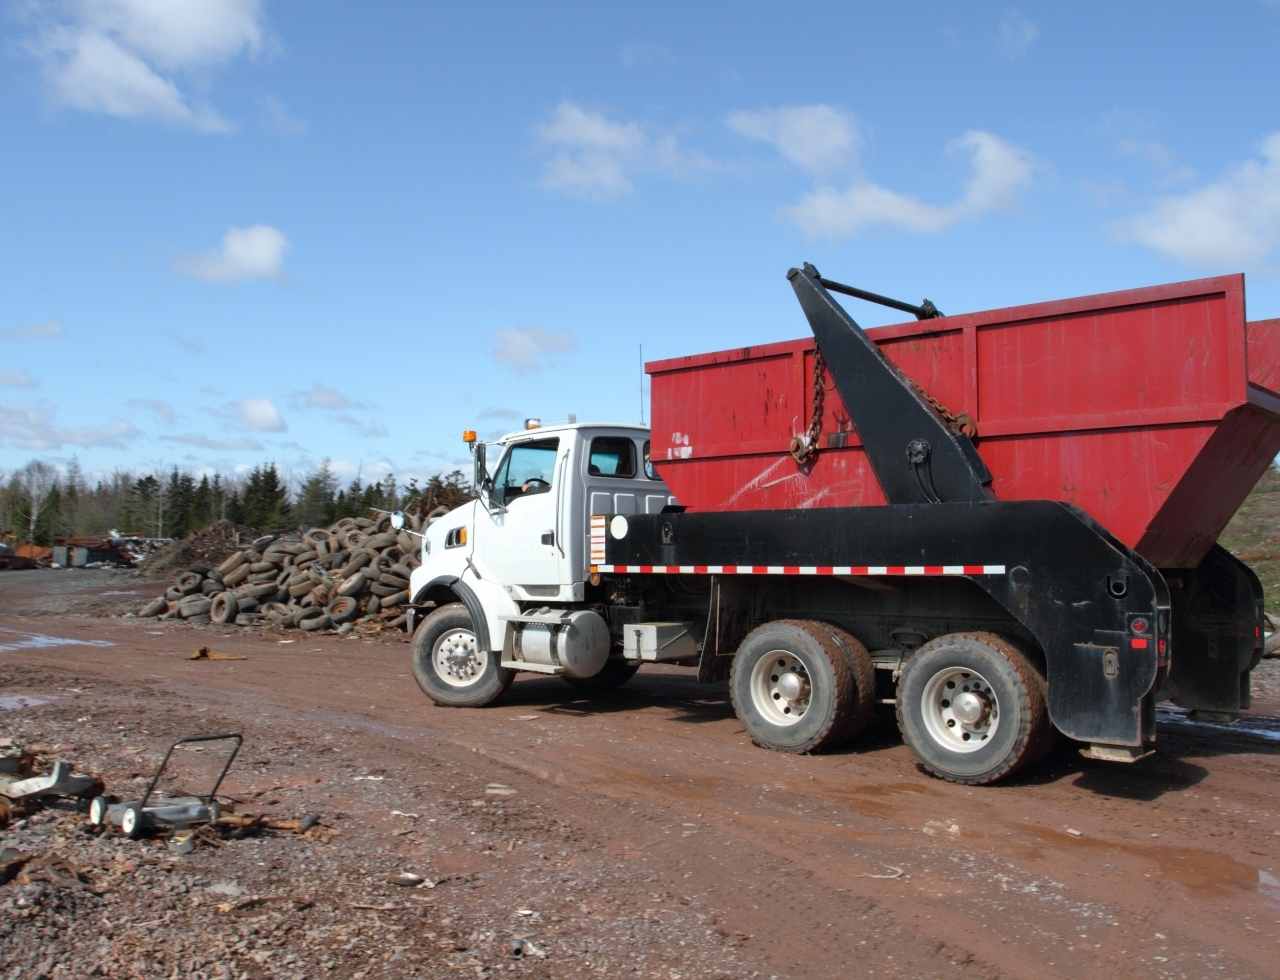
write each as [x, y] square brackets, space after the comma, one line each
[644, 835]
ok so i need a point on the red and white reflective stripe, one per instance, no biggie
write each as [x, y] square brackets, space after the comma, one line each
[798, 569]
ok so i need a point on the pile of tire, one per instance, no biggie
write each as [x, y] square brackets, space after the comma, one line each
[354, 572]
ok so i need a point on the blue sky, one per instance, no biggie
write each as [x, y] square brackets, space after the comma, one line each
[236, 231]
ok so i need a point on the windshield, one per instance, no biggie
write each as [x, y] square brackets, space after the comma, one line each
[526, 469]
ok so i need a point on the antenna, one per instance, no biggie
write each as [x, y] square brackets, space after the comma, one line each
[642, 384]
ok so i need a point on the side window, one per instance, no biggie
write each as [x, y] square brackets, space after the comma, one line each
[527, 469]
[612, 456]
[650, 471]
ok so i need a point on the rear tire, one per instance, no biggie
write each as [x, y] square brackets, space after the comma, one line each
[450, 667]
[972, 708]
[793, 687]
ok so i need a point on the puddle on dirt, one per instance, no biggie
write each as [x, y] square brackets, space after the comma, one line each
[1207, 873]
[14, 702]
[39, 641]
[1250, 726]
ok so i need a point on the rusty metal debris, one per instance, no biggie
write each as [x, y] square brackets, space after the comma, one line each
[204, 653]
[21, 785]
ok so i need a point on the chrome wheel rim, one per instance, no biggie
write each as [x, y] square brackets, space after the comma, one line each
[129, 821]
[781, 688]
[960, 709]
[458, 659]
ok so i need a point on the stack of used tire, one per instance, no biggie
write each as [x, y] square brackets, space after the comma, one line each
[352, 573]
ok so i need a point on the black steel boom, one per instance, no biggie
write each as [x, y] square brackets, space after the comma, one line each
[914, 454]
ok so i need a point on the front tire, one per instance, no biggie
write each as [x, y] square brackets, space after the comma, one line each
[793, 687]
[972, 709]
[449, 665]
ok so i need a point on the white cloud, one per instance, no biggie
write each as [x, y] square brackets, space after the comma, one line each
[48, 330]
[1234, 220]
[93, 73]
[999, 171]
[322, 396]
[529, 349]
[258, 415]
[16, 379]
[572, 125]
[815, 137]
[255, 252]
[207, 442]
[36, 429]
[1016, 33]
[594, 156]
[162, 410]
[368, 428]
[123, 57]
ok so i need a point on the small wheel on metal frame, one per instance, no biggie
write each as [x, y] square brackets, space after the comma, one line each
[131, 822]
[98, 807]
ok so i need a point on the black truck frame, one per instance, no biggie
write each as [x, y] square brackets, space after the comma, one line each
[1103, 633]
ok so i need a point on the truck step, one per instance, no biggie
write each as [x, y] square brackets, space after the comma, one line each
[536, 668]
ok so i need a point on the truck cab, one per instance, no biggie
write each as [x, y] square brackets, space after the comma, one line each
[523, 543]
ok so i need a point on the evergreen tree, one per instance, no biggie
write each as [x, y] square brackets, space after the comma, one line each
[202, 505]
[72, 491]
[266, 499]
[50, 522]
[218, 498]
[354, 503]
[316, 504]
[143, 512]
[390, 499]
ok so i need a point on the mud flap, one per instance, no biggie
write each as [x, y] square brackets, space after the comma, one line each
[1097, 689]
[1216, 634]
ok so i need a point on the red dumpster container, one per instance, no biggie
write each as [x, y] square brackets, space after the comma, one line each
[1153, 410]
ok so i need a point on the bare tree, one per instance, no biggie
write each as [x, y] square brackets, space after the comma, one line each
[37, 480]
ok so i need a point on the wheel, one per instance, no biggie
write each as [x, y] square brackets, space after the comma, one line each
[98, 810]
[224, 608]
[972, 708]
[613, 676]
[863, 667]
[450, 667]
[793, 687]
[131, 822]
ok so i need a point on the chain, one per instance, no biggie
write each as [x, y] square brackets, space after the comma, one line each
[804, 449]
[961, 425]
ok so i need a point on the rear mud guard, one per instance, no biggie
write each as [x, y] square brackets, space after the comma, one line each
[1216, 635]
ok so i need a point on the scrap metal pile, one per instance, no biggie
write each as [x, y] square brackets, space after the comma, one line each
[352, 573]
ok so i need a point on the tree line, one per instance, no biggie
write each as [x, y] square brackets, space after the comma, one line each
[39, 502]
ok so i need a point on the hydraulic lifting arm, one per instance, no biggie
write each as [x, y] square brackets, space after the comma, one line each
[915, 455]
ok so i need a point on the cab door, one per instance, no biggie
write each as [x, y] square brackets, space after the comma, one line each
[515, 540]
